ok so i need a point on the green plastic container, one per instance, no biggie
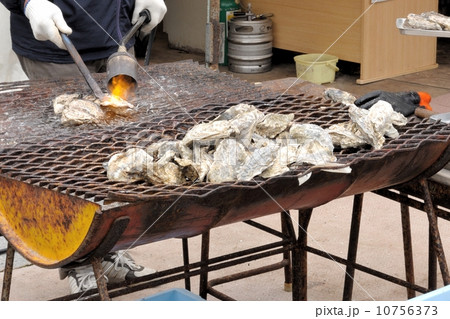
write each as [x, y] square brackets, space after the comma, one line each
[316, 68]
[227, 9]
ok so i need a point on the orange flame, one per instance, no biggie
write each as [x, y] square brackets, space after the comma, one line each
[122, 86]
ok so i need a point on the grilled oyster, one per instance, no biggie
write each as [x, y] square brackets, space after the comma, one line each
[228, 157]
[197, 169]
[346, 135]
[274, 124]
[129, 166]
[235, 110]
[79, 112]
[377, 122]
[61, 101]
[165, 171]
[286, 155]
[258, 161]
[315, 144]
[116, 105]
[416, 21]
[438, 18]
[339, 96]
[246, 124]
[210, 131]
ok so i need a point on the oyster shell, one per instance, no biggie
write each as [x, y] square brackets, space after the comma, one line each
[129, 166]
[376, 122]
[235, 110]
[346, 135]
[274, 124]
[228, 157]
[286, 155]
[210, 131]
[416, 21]
[315, 144]
[257, 162]
[165, 171]
[79, 112]
[246, 123]
[61, 101]
[438, 18]
[116, 105]
[339, 96]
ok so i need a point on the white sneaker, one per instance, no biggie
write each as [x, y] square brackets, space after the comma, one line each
[82, 278]
[119, 266]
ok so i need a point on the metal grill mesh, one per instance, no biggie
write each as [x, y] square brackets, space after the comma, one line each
[27, 114]
[73, 164]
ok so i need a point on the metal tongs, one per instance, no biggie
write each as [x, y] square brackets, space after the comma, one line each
[82, 67]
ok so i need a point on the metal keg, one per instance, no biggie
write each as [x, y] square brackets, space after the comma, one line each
[250, 44]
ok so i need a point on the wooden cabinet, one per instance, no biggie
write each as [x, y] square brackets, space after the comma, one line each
[353, 30]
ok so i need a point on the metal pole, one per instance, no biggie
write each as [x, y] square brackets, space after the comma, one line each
[7, 276]
[352, 247]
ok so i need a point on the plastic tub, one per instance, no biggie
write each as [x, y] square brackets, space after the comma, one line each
[316, 68]
[441, 294]
[176, 294]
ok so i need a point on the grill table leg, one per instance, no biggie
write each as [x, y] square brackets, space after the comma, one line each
[203, 291]
[288, 230]
[432, 263]
[7, 276]
[187, 279]
[101, 281]
[436, 238]
[352, 247]
[299, 258]
[407, 248]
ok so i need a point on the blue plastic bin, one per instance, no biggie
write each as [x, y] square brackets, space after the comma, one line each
[441, 294]
[176, 294]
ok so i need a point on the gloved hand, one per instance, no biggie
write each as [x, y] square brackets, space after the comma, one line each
[46, 21]
[402, 102]
[157, 10]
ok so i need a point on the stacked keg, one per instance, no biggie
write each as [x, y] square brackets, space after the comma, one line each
[250, 43]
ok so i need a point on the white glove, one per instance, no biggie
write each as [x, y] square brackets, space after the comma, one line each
[157, 10]
[46, 21]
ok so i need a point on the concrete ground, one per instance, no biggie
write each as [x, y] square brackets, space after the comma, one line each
[380, 245]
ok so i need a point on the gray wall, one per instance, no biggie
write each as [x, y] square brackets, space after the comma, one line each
[185, 24]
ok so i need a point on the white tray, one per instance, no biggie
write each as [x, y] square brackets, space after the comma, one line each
[429, 33]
